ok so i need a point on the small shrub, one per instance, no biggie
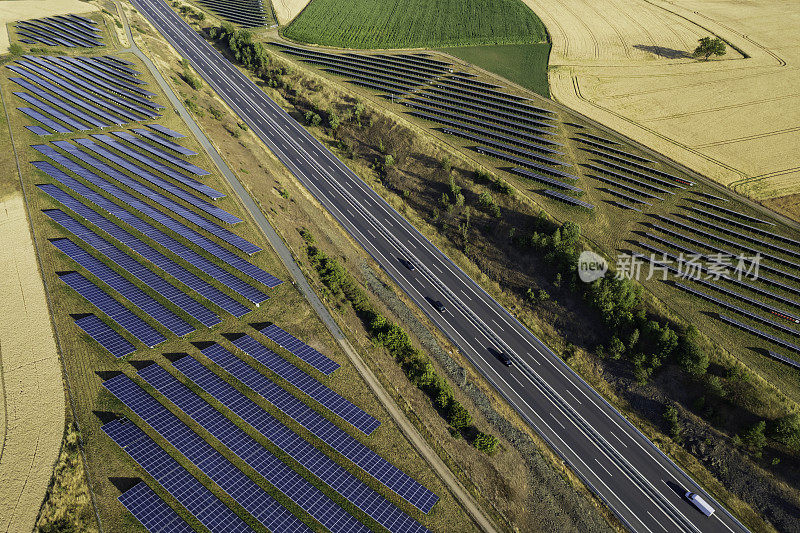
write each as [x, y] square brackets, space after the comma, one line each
[16, 49]
[485, 443]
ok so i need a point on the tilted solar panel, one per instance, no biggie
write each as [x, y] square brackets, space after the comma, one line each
[166, 131]
[300, 349]
[153, 513]
[150, 136]
[105, 336]
[52, 124]
[177, 161]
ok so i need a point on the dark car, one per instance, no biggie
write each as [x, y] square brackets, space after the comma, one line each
[506, 360]
[439, 306]
[408, 264]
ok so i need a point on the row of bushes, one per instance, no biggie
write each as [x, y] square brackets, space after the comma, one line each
[417, 367]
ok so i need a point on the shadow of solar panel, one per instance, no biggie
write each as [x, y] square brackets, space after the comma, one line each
[150, 136]
[281, 476]
[52, 111]
[174, 246]
[151, 254]
[300, 349]
[220, 470]
[67, 86]
[308, 385]
[165, 131]
[132, 267]
[151, 511]
[112, 308]
[372, 463]
[52, 124]
[312, 459]
[175, 479]
[105, 336]
[177, 161]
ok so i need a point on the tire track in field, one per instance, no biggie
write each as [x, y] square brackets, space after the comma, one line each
[580, 21]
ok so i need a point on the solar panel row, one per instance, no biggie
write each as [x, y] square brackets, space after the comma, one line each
[529, 174]
[212, 463]
[311, 458]
[166, 264]
[63, 105]
[174, 246]
[368, 69]
[624, 186]
[128, 290]
[734, 213]
[134, 268]
[113, 83]
[568, 199]
[175, 479]
[625, 196]
[52, 124]
[177, 161]
[281, 476]
[53, 112]
[324, 429]
[112, 308]
[244, 13]
[306, 384]
[300, 349]
[641, 174]
[39, 130]
[118, 71]
[175, 147]
[617, 175]
[745, 237]
[512, 113]
[520, 152]
[49, 31]
[613, 150]
[105, 336]
[165, 131]
[153, 513]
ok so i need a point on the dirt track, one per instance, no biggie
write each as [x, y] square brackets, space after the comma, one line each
[622, 63]
[31, 390]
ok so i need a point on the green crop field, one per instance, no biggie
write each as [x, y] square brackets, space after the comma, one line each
[369, 24]
[525, 64]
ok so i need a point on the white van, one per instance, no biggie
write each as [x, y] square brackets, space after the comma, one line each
[700, 503]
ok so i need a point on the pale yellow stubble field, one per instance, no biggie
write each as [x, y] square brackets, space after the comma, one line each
[286, 10]
[31, 389]
[14, 10]
[736, 120]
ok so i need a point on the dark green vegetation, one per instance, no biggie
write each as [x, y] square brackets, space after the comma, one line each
[524, 64]
[415, 23]
[709, 47]
[416, 365]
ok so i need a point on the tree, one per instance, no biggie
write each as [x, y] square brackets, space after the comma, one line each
[691, 357]
[787, 431]
[485, 443]
[458, 416]
[709, 47]
[754, 438]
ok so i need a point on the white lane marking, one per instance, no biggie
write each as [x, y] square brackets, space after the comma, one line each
[619, 439]
[465, 294]
[657, 522]
[498, 325]
[557, 421]
[603, 467]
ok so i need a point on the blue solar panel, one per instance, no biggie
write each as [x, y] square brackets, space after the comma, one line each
[175, 479]
[177, 161]
[166, 131]
[65, 32]
[372, 463]
[52, 124]
[128, 290]
[43, 36]
[241, 488]
[105, 336]
[52, 111]
[136, 269]
[116, 59]
[178, 227]
[39, 130]
[76, 102]
[308, 385]
[65, 85]
[116, 63]
[300, 349]
[153, 513]
[314, 460]
[150, 136]
[286, 480]
[174, 246]
[62, 104]
[168, 186]
[114, 69]
[119, 314]
[147, 252]
[111, 79]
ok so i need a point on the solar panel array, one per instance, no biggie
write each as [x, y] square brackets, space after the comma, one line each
[308, 385]
[244, 13]
[568, 199]
[176, 480]
[763, 334]
[324, 429]
[212, 463]
[529, 174]
[153, 513]
[300, 349]
[311, 458]
[276, 472]
[64, 30]
[105, 336]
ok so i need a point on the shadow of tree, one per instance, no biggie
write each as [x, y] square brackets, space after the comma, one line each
[662, 51]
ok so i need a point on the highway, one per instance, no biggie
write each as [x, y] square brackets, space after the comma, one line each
[635, 480]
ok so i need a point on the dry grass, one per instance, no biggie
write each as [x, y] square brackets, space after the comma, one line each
[31, 388]
[30, 9]
[733, 120]
[287, 10]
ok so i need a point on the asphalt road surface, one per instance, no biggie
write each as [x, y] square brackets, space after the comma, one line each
[638, 483]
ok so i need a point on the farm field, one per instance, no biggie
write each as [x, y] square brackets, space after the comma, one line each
[415, 23]
[733, 119]
[524, 64]
[29, 9]
[287, 10]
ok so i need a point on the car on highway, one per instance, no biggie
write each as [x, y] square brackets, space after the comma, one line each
[439, 306]
[700, 503]
[408, 264]
[505, 359]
